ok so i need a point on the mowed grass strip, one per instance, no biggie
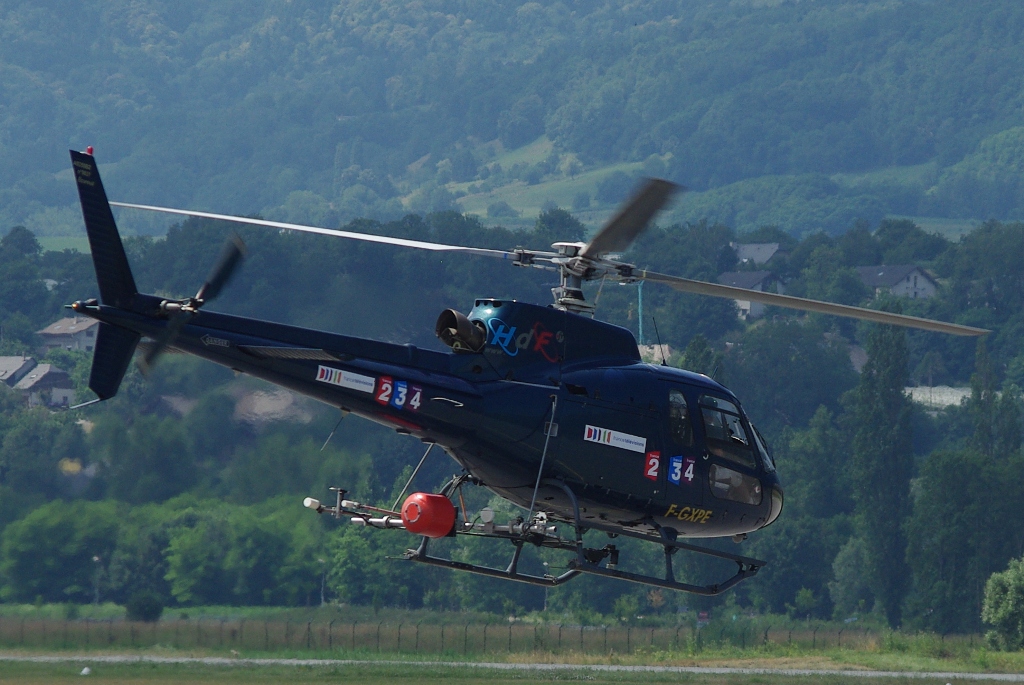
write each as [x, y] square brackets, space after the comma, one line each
[390, 674]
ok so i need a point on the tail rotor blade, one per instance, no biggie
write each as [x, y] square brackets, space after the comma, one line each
[230, 257]
[152, 352]
[619, 233]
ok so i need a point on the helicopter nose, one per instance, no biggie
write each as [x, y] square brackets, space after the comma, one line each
[777, 500]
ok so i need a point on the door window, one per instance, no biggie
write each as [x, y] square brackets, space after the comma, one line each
[680, 428]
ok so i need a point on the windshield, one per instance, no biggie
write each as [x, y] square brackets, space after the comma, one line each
[723, 427]
[762, 445]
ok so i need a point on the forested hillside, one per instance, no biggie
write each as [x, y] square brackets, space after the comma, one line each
[182, 494]
[839, 129]
[322, 112]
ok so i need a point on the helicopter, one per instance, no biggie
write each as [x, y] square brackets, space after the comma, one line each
[545, 406]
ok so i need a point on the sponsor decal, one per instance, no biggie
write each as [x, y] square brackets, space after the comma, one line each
[415, 398]
[625, 441]
[537, 339]
[690, 514]
[345, 379]
[652, 465]
[209, 341]
[385, 388]
[401, 394]
[503, 336]
[680, 469]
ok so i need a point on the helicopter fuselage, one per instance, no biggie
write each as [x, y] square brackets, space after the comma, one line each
[650, 448]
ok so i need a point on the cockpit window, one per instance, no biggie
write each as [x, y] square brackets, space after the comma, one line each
[762, 445]
[724, 430]
[679, 419]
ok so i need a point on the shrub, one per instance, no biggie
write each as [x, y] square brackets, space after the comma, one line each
[144, 606]
[1003, 606]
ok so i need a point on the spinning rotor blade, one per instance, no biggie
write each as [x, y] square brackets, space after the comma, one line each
[620, 232]
[367, 237]
[729, 292]
[158, 346]
[230, 257]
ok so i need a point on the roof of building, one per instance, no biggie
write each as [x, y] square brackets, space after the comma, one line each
[759, 253]
[745, 279]
[69, 326]
[889, 275]
[11, 366]
[44, 376]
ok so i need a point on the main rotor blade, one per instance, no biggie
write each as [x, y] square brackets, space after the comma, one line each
[729, 292]
[230, 257]
[367, 237]
[619, 233]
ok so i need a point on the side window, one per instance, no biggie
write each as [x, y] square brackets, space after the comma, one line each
[725, 433]
[679, 419]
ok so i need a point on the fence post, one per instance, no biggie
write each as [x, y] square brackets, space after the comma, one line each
[241, 633]
[220, 637]
[675, 642]
[814, 639]
[21, 639]
[485, 638]
[399, 637]
[353, 636]
[417, 637]
[110, 631]
[766, 634]
[309, 634]
[266, 636]
[581, 637]
[839, 640]
[378, 638]
[606, 639]
[509, 638]
[536, 644]
[465, 640]
[330, 634]
[559, 637]
[442, 637]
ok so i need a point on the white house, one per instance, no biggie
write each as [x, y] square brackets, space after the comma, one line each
[758, 253]
[763, 281]
[48, 385]
[72, 333]
[902, 280]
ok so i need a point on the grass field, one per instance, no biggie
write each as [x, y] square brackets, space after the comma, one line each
[391, 674]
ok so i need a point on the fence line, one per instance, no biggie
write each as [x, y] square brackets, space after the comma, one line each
[266, 636]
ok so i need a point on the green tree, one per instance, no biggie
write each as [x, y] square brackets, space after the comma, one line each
[50, 553]
[882, 465]
[958, 535]
[1004, 604]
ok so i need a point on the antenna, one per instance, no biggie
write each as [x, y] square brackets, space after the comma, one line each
[661, 348]
[640, 307]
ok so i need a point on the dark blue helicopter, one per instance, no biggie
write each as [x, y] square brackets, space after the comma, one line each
[545, 406]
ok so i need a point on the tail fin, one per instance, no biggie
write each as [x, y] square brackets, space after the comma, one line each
[114, 346]
[114, 349]
[117, 287]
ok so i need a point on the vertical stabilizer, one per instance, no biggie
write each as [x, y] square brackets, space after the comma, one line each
[114, 346]
[117, 287]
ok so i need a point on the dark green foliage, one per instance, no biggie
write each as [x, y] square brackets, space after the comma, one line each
[50, 553]
[811, 370]
[144, 606]
[882, 464]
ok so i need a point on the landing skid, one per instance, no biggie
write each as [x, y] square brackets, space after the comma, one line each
[598, 562]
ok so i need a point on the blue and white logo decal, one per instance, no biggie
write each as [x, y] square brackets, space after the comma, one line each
[503, 336]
